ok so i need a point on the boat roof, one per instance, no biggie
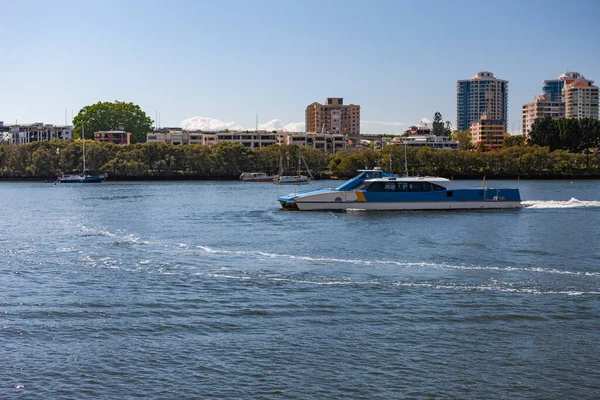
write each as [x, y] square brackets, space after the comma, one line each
[410, 179]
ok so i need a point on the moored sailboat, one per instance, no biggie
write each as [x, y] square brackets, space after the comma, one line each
[298, 179]
[83, 177]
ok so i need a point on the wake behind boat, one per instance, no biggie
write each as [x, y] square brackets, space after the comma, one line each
[379, 190]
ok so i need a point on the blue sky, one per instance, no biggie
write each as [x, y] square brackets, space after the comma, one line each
[229, 60]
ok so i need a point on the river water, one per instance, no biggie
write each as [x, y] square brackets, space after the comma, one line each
[209, 290]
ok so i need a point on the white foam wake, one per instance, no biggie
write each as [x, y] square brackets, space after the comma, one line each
[572, 203]
[403, 264]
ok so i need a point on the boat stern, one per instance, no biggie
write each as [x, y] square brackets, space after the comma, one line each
[288, 201]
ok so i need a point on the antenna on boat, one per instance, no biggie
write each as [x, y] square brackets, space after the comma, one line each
[405, 160]
[381, 150]
[83, 145]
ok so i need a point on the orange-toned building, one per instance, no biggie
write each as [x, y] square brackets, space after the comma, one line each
[541, 107]
[488, 132]
[333, 117]
[116, 137]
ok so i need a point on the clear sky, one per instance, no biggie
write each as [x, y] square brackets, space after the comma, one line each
[228, 60]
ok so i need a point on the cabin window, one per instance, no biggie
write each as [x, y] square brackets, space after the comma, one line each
[389, 187]
[362, 186]
[375, 187]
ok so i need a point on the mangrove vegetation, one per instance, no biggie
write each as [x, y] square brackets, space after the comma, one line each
[226, 160]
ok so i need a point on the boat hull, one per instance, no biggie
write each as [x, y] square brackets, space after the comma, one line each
[267, 179]
[457, 199]
[403, 206]
[81, 179]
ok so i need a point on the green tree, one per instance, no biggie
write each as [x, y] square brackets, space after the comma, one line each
[463, 138]
[545, 132]
[106, 116]
[438, 124]
[448, 129]
[513, 140]
[569, 134]
[228, 159]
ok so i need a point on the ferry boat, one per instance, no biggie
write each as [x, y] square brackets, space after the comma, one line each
[379, 190]
[257, 177]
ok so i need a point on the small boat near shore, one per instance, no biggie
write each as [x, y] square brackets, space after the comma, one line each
[83, 177]
[292, 180]
[297, 179]
[257, 177]
[379, 190]
[80, 178]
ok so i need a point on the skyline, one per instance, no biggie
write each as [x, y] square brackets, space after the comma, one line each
[229, 61]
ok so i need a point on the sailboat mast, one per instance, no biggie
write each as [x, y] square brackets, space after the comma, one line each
[83, 145]
[405, 160]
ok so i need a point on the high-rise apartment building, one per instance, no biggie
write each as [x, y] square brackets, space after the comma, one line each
[482, 95]
[554, 87]
[581, 99]
[333, 117]
[541, 107]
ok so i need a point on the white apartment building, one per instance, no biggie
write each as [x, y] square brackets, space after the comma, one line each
[327, 142]
[248, 139]
[431, 140]
[581, 99]
[39, 132]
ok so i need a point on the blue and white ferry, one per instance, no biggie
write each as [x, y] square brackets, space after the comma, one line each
[379, 190]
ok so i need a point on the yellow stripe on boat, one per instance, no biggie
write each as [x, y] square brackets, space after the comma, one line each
[360, 196]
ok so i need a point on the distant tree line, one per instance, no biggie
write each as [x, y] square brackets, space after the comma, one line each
[573, 135]
[227, 160]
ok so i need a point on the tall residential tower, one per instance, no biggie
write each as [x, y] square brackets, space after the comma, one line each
[333, 117]
[581, 99]
[482, 95]
[554, 87]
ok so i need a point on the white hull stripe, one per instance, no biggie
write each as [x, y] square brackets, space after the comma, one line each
[434, 205]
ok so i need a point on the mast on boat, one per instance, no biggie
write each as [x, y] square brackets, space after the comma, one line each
[83, 145]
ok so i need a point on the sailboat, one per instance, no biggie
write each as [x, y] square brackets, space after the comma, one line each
[83, 177]
[295, 179]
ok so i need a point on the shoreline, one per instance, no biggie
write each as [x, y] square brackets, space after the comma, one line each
[224, 179]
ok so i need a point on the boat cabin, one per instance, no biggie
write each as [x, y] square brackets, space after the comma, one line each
[394, 186]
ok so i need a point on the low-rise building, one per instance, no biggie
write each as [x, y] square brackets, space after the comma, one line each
[327, 142]
[488, 133]
[421, 130]
[251, 139]
[4, 132]
[39, 132]
[431, 140]
[116, 137]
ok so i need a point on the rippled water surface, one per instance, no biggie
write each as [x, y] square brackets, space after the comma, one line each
[209, 290]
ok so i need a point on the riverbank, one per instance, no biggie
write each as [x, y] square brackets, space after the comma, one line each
[226, 161]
